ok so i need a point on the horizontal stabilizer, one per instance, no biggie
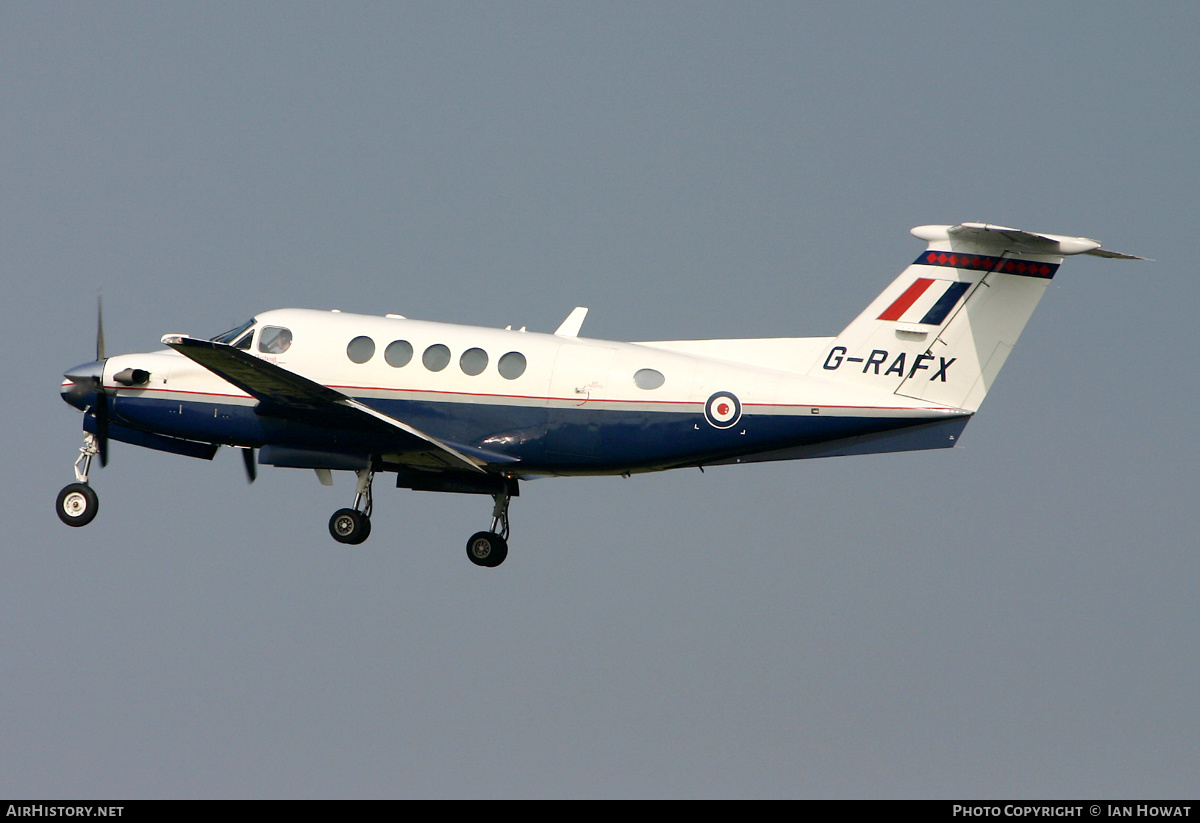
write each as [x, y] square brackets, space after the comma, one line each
[1015, 241]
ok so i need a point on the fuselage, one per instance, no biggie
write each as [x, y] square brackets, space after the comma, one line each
[538, 403]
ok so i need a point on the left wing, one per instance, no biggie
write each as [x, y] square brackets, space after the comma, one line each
[287, 394]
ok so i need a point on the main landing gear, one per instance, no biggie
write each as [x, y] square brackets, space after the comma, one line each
[490, 548]
[77, 503]
[353, 525]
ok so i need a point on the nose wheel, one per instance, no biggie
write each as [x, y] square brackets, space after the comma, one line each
[77, 504]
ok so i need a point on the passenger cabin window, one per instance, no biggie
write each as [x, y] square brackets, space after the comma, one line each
[648, 379]
[398, 353]
[473, 361]
[511, 365]
[274, 340]
[436, 357]
[361, 349]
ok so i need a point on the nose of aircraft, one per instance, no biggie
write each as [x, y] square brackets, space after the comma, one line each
[82, 383]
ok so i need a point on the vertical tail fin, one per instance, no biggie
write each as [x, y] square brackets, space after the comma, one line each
[942, 330]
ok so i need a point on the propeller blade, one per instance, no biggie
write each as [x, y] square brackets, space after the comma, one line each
[250, 463]
[99, 328]
[102, 408]
[101, 413]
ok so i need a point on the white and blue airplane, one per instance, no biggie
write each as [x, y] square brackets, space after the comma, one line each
[453, 408]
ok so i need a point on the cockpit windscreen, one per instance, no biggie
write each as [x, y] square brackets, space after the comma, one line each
[232, 334]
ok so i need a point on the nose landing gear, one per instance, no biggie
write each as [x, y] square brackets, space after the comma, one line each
[77, 503]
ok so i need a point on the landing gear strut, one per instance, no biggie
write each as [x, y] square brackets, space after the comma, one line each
[353, 525]
[490, 548]
[77, 504]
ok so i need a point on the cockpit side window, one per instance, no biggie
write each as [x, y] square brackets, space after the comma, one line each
[274, 340]
[232, 334]
[244, 343]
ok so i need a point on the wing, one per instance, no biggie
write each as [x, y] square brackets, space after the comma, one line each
[286, 394]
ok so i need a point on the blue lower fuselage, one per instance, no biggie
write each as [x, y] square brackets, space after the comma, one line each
[536, 439]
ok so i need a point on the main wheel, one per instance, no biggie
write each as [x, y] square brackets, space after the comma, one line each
[349, 526]
[77, 504]
[487, 549]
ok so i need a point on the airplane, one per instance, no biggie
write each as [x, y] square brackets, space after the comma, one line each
[452, 408]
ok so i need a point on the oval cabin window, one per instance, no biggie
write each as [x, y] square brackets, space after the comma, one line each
[511, 365]
[473, 361]
[398, 353]
[648, 379]
[361, 349]
[436, 357]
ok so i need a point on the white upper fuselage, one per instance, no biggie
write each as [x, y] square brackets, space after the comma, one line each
[766, 374]
[550, 403]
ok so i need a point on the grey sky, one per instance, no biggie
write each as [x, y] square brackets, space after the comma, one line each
[1014, 617]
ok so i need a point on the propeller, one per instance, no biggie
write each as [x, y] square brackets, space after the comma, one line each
[85, 390]
[250, 463]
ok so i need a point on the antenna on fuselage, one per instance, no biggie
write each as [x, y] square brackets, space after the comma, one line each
[574, 322]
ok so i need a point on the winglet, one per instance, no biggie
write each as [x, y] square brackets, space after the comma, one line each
[574, 322]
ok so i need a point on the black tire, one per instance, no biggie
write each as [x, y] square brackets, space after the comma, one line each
[77, 505]
[487, 549]
[349, 526]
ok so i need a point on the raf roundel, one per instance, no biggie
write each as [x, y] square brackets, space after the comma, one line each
[723, 410]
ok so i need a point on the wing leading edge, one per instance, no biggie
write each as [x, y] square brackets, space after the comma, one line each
[288, 394]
